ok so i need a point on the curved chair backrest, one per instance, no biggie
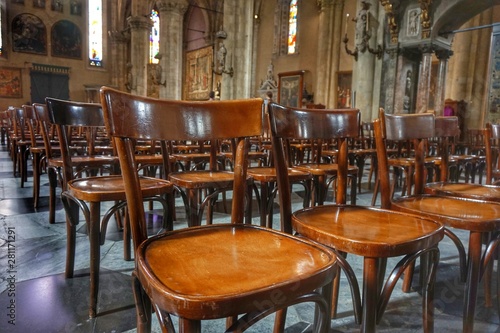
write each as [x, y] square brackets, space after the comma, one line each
[310, 124]
[67, 114]
[417, 128]
[492, 148]
[130, 117]
[447, 129]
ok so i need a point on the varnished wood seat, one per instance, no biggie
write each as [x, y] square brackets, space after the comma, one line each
[211, 271]
[478, 217]
[88, 193]
[375, 234]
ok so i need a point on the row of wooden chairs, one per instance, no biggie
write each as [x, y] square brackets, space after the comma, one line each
[169, 266]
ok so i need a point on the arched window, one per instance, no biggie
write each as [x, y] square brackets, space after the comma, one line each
[95, 33]
[154, 38]
[287, 21]
[292, 27]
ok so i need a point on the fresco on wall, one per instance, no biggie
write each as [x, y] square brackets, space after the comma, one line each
[66, 40]
[29, 34]
[10, 82]
[198, 73]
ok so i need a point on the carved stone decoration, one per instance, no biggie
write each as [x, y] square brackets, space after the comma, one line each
[390, 11]
[425, 17]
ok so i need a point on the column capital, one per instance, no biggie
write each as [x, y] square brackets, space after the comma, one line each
[322, 4]
[139, 22]
[118, 36]
[425, 48]
[443, 54]
[178, 6]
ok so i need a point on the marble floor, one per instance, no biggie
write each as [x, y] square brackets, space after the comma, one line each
[35, 296]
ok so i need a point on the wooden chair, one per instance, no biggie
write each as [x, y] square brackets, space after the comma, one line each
[210, 271]
[492, 148]
[375, 234]
[88, 193]
[479, 217]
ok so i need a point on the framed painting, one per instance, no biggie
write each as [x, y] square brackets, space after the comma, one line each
[290, 88]
[66, 40]
[11, 82]
[344, 97]
[198, 80]
[29, 34]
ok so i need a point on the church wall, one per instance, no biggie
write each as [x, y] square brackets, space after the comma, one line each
[79, 74]
[306, 58]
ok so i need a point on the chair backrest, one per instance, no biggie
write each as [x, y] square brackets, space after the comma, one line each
[44, 125]
[20, 124]
[492, 148]
[66, 115]
[446, 131]
[310, 124]
[417, 128]
[31, 122]
[130, 117]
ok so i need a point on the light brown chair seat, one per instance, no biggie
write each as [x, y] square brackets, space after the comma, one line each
[88, 193]
[479, 217]
[211, 271]
[375, 234]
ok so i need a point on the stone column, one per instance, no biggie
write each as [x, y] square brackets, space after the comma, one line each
[424, 79]
[363, 71]
[171, 46]
[140, 27]
[326, 78]
[239, 26]
[118, 59]
[443, 56]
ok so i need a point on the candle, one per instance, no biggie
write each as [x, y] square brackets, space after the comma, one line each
[346, 20]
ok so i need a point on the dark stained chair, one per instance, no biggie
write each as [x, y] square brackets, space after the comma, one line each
[87, 193]
[481, 218]
[375, 234]
[211, 271]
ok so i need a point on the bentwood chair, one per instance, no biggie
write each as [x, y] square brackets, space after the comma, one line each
[87, 193]
[210, 271]
[481, 218]
[375, 234]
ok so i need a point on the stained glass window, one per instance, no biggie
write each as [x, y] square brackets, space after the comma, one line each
[292, 27]
[154, 38]
[95, 33]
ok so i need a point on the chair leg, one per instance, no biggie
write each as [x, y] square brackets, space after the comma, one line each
[36, 179]
[142, 305]
[52, 194]
[279, 321]
[95, 255]
[72, 214]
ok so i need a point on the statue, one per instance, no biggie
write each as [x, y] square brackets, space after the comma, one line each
[221, 57]
[130, 83]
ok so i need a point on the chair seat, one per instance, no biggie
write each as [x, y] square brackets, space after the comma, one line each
[202, 179]
[465, 190]
[111, 188]
[465, 214]
[268, 174]
[367, 231]
[219, 282]
[319, 169]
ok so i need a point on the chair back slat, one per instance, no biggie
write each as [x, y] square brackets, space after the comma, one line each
[311, 124]
[417, 128]
[129, 117]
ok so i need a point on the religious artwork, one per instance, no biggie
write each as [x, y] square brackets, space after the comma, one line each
[39, 3]
[66, 40]
[10, 82]
[290, 88]
[413, 22]
[198, 80]
[56, 5]
[344, 88]
[29, 34]
[76, 7]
